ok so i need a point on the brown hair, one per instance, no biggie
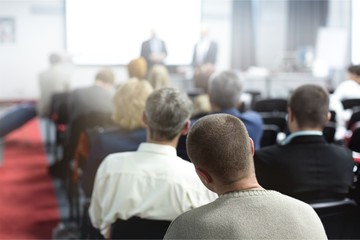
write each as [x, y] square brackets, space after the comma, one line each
[105, 75]
[219, 143]
[310, 105]
[137, 68]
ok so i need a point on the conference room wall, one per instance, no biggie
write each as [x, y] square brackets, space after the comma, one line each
[39, 30]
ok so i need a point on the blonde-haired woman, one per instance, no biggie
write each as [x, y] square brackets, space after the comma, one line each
[129, 130]
[159, 76]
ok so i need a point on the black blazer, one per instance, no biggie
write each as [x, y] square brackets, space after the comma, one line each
[308, 168]
[210, 56]
[146, 51]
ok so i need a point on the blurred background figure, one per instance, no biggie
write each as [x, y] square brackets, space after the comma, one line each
[159, 76]
[205, 50]
[137, 68]
[95, 98]
[204, 59]
[154, 50]
[55, 79]
[349, 88]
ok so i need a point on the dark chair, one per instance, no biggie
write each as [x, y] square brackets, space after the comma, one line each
[275, 118]
[269, 136]
[354, 141]
[138, 228]
[59, 117]
[350, 103]
[355, 117]
[340, 218]
[75, 128]
[329, 132]
[271, 105]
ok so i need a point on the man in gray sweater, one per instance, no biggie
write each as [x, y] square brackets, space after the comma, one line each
[222, 152]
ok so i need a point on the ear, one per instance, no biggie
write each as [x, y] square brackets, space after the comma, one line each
[186, 128]
[204, 176]
[252, 146]
[328, 117]
[290, 116]
[144, 118]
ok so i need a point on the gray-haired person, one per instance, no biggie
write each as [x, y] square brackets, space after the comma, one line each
[151, 182]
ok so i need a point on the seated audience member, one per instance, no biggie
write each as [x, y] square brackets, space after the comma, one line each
[305, 166]
[225, 89]
[137, 68]
[221, 150]
[202, 75]
[96, 98]
[55, 79]
[159, 76]
[201, 106]
[128, 131]
[152, 182]
[349, 88]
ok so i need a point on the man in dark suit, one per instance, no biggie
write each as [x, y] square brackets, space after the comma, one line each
[305, 166]
[153, 50]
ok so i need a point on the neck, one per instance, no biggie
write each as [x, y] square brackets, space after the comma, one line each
[246, 183]
[307, 129]
[172, 143]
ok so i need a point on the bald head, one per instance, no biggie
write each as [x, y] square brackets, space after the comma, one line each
[220, 144]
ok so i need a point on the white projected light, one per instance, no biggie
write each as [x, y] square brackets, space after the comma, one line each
[110, 32]
[355, 32]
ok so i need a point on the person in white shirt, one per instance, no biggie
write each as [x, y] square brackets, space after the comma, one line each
[349, 88]
[151, 183]
[205, 50]
[55, 79]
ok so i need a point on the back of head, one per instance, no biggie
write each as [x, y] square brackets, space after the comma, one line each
[225, 89]
[219, 144]
[166, 111]
[129, 101]
[55, 58]
[353, 69]
[159, 76]
[105, 75]
[310, 105]
[137, 68]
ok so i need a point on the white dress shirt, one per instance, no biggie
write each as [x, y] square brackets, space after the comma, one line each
[347, 89]
[201, 50]
[151, 183]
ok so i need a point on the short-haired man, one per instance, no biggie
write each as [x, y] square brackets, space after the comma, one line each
[305, 166]
[225, 89]
[221, 150]
[151, 183]
[96, 98]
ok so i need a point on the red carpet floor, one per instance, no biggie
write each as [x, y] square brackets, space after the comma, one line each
[28, 206]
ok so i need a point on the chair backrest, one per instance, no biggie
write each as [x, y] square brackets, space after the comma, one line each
[139, 228]
[329, 132]
[271, 105]
[354, 141]
[79, 125]
[59, 108]
[355, 117]
[340, 218]
[350, 103]
[275, 118]
[269, 136]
